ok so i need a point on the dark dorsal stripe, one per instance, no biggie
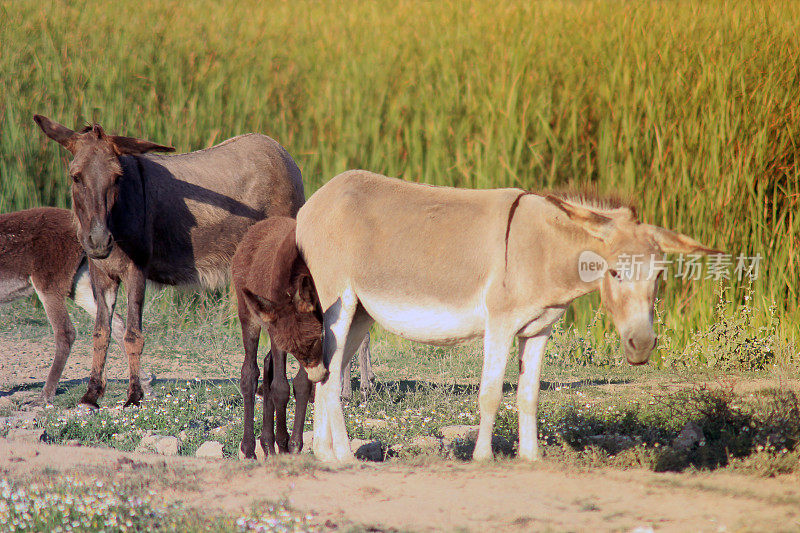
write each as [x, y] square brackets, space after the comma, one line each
[511, 211]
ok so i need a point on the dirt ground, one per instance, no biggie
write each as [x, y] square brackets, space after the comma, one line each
[434, 495]
[504, 496]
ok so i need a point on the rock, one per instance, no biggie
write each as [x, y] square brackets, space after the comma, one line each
[368, 450]
[6, 402]
[211, 449]
[158, 444]
[690, 436]
[451, 434]
[183, 436]
[375, 423]
[26, 435]
[427, 444]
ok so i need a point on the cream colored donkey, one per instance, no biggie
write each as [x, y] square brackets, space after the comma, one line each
[441, 265]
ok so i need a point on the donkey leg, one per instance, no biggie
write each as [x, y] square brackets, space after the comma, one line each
[84, 298]
[365, 365]
[64, 333]
[336, 322]
[268, 421]
[531, 350]
[249, 379]
[134, 339]
[105, 294]
[280, 399]
[496, 345]
[303, 389]
[343, 343]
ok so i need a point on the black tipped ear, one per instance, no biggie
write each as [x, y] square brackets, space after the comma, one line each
[594, 223]
[133, 146]
[265, 309]
[59, 133]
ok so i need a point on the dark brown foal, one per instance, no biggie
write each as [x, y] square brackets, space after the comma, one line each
[274, 289]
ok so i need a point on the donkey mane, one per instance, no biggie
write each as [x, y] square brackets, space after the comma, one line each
[586, 196]
[589, 197]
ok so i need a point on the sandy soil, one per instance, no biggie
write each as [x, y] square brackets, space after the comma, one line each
[503, 496]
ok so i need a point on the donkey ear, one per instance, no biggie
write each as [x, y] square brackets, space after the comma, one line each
[677, 243]
[593, 222]
[305, 295]
[133, 146]
[59, 133]
[264, 308]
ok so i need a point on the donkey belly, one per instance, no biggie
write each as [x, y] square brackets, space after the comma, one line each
[431, 323]
[13, 287]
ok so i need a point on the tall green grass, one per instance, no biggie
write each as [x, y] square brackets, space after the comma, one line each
[691, 108]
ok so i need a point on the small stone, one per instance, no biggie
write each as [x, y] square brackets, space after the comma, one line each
[451, 434]
[183, 436]
[427, 444]
[375, 423]
[211, 448]
[368, 450]
[158, 444]
[6, 402]
[26, 435]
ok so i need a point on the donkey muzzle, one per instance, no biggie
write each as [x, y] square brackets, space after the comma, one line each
[317, 373]
[638, 345]
[98, 243]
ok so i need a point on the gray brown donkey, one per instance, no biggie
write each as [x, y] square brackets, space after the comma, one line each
[175, 220]
[39, 251]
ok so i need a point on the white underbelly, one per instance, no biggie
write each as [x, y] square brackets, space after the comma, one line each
[428, 323]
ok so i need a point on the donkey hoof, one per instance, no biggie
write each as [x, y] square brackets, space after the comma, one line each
[90, 400]
[131, 401]
[135, 394]
[295, 447]
[249, 453]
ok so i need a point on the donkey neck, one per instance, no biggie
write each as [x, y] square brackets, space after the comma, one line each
[550, 244]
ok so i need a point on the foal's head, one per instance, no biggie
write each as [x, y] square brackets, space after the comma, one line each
[95, 171]
[635, 257]
[283, 296]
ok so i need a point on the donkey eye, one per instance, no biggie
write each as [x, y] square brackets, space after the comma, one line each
[76, 178]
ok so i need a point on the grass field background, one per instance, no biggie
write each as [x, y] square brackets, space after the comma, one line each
[690, 108]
